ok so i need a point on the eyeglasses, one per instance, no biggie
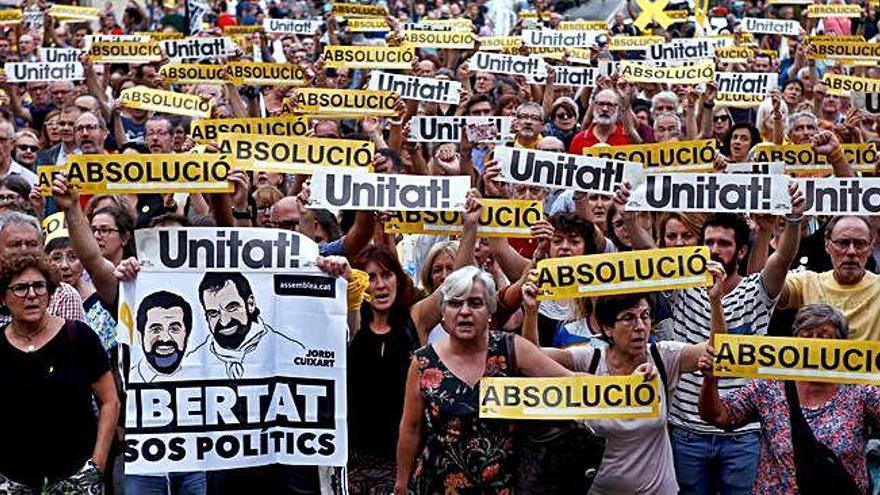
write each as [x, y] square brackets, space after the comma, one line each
[526, 116]
[60, 258]
[563, 115]
[21, 291]
[103, 231]
[27, 147]
[630, 319]
[607, 104]
[5, 199]
[858, 244]
[158, 133]
[720, 118]
[473, 303]
[86, 128]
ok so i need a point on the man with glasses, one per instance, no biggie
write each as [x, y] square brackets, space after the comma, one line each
[57, 155]
[528, 124]
[849, 287]
[90, 133]
[605, 127]
[7, 166]
[63, 93]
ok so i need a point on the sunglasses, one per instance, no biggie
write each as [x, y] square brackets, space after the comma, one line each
[27, 147]
[720, 118]
[564, 115]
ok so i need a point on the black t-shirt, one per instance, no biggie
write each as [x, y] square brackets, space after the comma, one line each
[47, 424]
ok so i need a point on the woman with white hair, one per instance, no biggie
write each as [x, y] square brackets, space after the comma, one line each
[444, 446]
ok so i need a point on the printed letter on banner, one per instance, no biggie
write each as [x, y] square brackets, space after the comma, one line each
[838, 196]
[817, 11]
[357, 190]
[834, 49]
[194, 74]
[842, 85]
[347, 101]
[562, 170]
[125, 53]
[368, 25]
[531, 67]
[55, 225]
[500, 218]
[265, 74]
[630, 43]
[789, 358]
[294, 155]
[416, 88]
[734, 193]
[770, 26]
[141, 174]
[60, 54]
[686, 156]
[208, 129]
[560, 39]
[744, 89]
[623, 273]
[272, 391]
[158, 100]
[24, 72]
[70, 12]
[461, 40]
[802, 159]
[690, 74]
[369, 57]
[449, 129]
[358, 10]
[198, 48]
[574, 397]
[867, 101]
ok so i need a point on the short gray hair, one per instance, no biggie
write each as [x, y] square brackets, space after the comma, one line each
[829, 227]
[669, 114]
[664, 95]
[815, 315]
[18, 218]
[529, 104]
[794, 117]
[460, 282]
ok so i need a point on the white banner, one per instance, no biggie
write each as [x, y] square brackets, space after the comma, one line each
[746, 82]
[237, 353]
[198, 48]
[416, 88]
[562, 170]
[292, 26]
[113, 38]
[770, 26]
[733, 193]
[682, 49]
[576, 76]
[841, 196]
[60, 54]
[517, 65]
[560, 39]
[448, 129]
[22, 72]
[356, 190]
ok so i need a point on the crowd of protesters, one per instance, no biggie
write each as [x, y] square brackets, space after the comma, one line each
[442, 312]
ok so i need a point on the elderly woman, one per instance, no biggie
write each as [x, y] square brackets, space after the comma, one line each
[50, 369]
[801, 422]
[27, 145]
[444, 446]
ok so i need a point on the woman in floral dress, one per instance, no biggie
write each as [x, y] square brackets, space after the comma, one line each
[444, 446]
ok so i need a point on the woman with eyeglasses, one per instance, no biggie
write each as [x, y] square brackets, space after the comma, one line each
[721, 122]
[26, 148]
[563, 122]
[51, 134]
[50, 370]
[14, 190]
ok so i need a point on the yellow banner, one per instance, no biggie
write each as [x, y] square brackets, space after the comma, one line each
[294, 155]
[463, 40]
[531, 14]
[631, 42]
[690, 74]
[73, 12]
[678, 16]
[575, 397]
[686, 155]
[125, 52]
[358, 10]
[498, 43]
[500, 218]
[159, 100]
[583, 26]
[801, 159]
[10, 16]
[193, 73]
[141, 174]
[735, 54]
[457, 24]
[368, 25]
[828, 49]
[819, 11]
[242, 29]
[841, 85]
[54, 226]
[789, 358]
[739, 100]
[348, 101]
[369, 57]
[623, 273]
[265, 74]
[162, 35]
[207, 130]
[849, 38]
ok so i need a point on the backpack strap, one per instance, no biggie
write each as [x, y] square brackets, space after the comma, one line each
[661, 369]
[594, 362]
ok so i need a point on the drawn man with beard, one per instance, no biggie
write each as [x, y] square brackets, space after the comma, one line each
[164, 321]
[240, 339]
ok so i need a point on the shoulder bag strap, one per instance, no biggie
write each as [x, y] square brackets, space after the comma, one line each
[661, 370]
[594, 362]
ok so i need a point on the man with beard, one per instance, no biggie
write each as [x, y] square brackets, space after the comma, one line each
[528, 124]
[240, 339]
[164, 321]
[90, 132]
[607, 107]
[705, 455]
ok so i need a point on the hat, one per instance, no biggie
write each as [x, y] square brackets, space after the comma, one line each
[568, 102]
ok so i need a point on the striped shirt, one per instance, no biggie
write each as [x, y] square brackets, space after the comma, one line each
[747, 310]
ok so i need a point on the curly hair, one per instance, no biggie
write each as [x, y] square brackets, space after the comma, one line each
[15, 262]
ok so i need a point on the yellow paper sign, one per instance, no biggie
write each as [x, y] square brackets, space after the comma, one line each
[685, 154]
[369, 57]
[208, 129]
[688, 74]
[498, 43]
[802, 158]
[358, 10]
[789, 358]
[575, 397]
[193, 73]
[583, 26]
[141, 174]
[623, 273]
[10, 16]
[816, 11]
[54, 227]
[842, 85]
[621, 43]
[159, 100]
[831, 49]
[112, 52]
[73, 12]
[162, 35]
[294, 155]
[735, 54]
[500, 218]
[368, 25]
[242, 29]
[348, 101]
[265, 74]
[678, 16]
[463, 40]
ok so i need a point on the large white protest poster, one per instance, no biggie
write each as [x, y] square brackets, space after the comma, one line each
[841, 195]
[337, 188]
[237, 352]
[424, 129]
[734, 193]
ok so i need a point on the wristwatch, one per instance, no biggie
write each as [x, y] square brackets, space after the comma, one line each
[242, 215]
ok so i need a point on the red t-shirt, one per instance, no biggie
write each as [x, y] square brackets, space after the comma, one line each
[585, 139]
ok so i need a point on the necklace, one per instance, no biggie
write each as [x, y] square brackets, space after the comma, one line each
[29, 337]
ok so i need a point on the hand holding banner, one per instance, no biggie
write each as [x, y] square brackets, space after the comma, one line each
[357, 190]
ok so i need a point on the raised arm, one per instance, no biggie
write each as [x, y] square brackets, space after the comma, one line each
[691, 354]
[410, 430]
[776, 269]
